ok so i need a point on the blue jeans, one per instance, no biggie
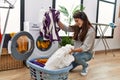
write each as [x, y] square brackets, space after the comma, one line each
[81, 58]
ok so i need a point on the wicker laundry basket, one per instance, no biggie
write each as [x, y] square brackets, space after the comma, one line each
[40, 73]
[7, 62]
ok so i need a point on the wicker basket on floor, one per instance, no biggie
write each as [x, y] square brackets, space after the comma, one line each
[7, 62]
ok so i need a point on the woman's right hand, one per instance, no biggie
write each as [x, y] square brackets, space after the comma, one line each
[60, 24]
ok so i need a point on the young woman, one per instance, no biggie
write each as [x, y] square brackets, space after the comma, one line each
[84, 37]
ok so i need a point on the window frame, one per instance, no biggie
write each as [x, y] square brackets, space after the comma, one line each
[22, 3]
[54, 1]
[22, 13]
[113, 20]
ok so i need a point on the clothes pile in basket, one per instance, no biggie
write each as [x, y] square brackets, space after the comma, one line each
[40, 62]
[60, 59]
[40, 73]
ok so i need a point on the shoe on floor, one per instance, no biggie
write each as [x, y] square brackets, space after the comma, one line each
[84, 72]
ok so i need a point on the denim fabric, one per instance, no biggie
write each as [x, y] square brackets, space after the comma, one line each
[81, 59]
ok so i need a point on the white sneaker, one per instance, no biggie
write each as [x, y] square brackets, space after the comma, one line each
[84, 72]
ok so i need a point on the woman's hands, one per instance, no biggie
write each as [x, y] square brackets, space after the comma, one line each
[75, 50]
[72, 50]
[60, 24]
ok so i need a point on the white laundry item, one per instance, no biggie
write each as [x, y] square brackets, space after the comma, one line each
[9, 47]
[60, 59]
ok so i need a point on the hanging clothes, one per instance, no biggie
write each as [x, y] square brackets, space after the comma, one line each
[49, 29]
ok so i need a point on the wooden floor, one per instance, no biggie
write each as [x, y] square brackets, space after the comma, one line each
[102, 67]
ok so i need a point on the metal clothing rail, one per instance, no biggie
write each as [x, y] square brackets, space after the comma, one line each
[8, 12]
[102, 37]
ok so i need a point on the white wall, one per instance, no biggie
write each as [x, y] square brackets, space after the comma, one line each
[13, 18]
[33, 10]
[90, 9]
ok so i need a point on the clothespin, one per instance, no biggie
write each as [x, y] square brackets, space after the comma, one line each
[112, 25]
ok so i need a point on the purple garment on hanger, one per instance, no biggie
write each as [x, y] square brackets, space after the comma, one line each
[50, 27]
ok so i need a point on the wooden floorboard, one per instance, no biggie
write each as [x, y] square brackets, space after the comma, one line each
[102, 67]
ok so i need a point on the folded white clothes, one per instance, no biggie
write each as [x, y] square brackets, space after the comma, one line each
[60, 59]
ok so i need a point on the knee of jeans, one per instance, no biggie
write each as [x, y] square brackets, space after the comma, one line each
[75, 54]
[89, 59]
[78, 60]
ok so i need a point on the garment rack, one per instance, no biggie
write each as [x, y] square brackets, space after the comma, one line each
[102, 37]
[8, 12]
